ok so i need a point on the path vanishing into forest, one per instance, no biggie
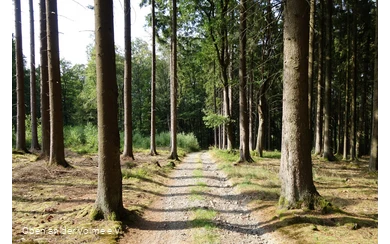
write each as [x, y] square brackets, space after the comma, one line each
[200, 205]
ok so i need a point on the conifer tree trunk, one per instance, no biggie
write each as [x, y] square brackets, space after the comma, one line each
[250, 105]
[45, 109]
[33, 93]
[244, 124]
[128, 121]
[320, 83]
[346, 119]
[153, 150]
[173, 84]
[362, 133]
[260, 111]
[353, 88]
[328, 151]
[216, 129]
[260, 131]
[57, 154]
[296, 166]
[373, 165]
[21, 112]
[109, 204]
[311, 59]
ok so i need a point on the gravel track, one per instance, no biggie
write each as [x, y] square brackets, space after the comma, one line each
[170, 218]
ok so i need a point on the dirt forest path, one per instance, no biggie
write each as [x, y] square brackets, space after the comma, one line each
[200, 205]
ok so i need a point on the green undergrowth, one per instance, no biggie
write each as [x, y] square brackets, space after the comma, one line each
[84, 139]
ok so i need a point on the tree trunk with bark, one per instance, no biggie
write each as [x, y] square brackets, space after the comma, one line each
[173, 84]
[311, 59]
[296, 166]
[353, 83]
[373, 165]
[57, 154]
[245, 155]
[108, 203]
[339, 125]
[128, 121]
[346, 120]
[260, 131]
[45, 107]
[21, 112]
[319, 107]
[361, 135]
[261, 110]
[33, 93]
[250, 104]
[153, 150]
[328, 150]
[320, 84]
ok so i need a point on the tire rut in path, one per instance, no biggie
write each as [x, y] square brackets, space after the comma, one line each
[170, 218]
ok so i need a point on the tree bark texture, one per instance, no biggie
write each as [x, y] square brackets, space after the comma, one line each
[311, 59]
[33, 93]
[244, 120]
[109, 203]
[373, 165]
[153, 150]
[173, 83]
[45, 107]
[57, 154]
[296, 166]
[320, 84]
[21, 112]
[128, 121]
[328, 150]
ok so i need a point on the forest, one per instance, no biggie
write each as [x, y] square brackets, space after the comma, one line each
[249, 120]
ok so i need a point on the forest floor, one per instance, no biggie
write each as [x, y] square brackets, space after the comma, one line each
[202, 199]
